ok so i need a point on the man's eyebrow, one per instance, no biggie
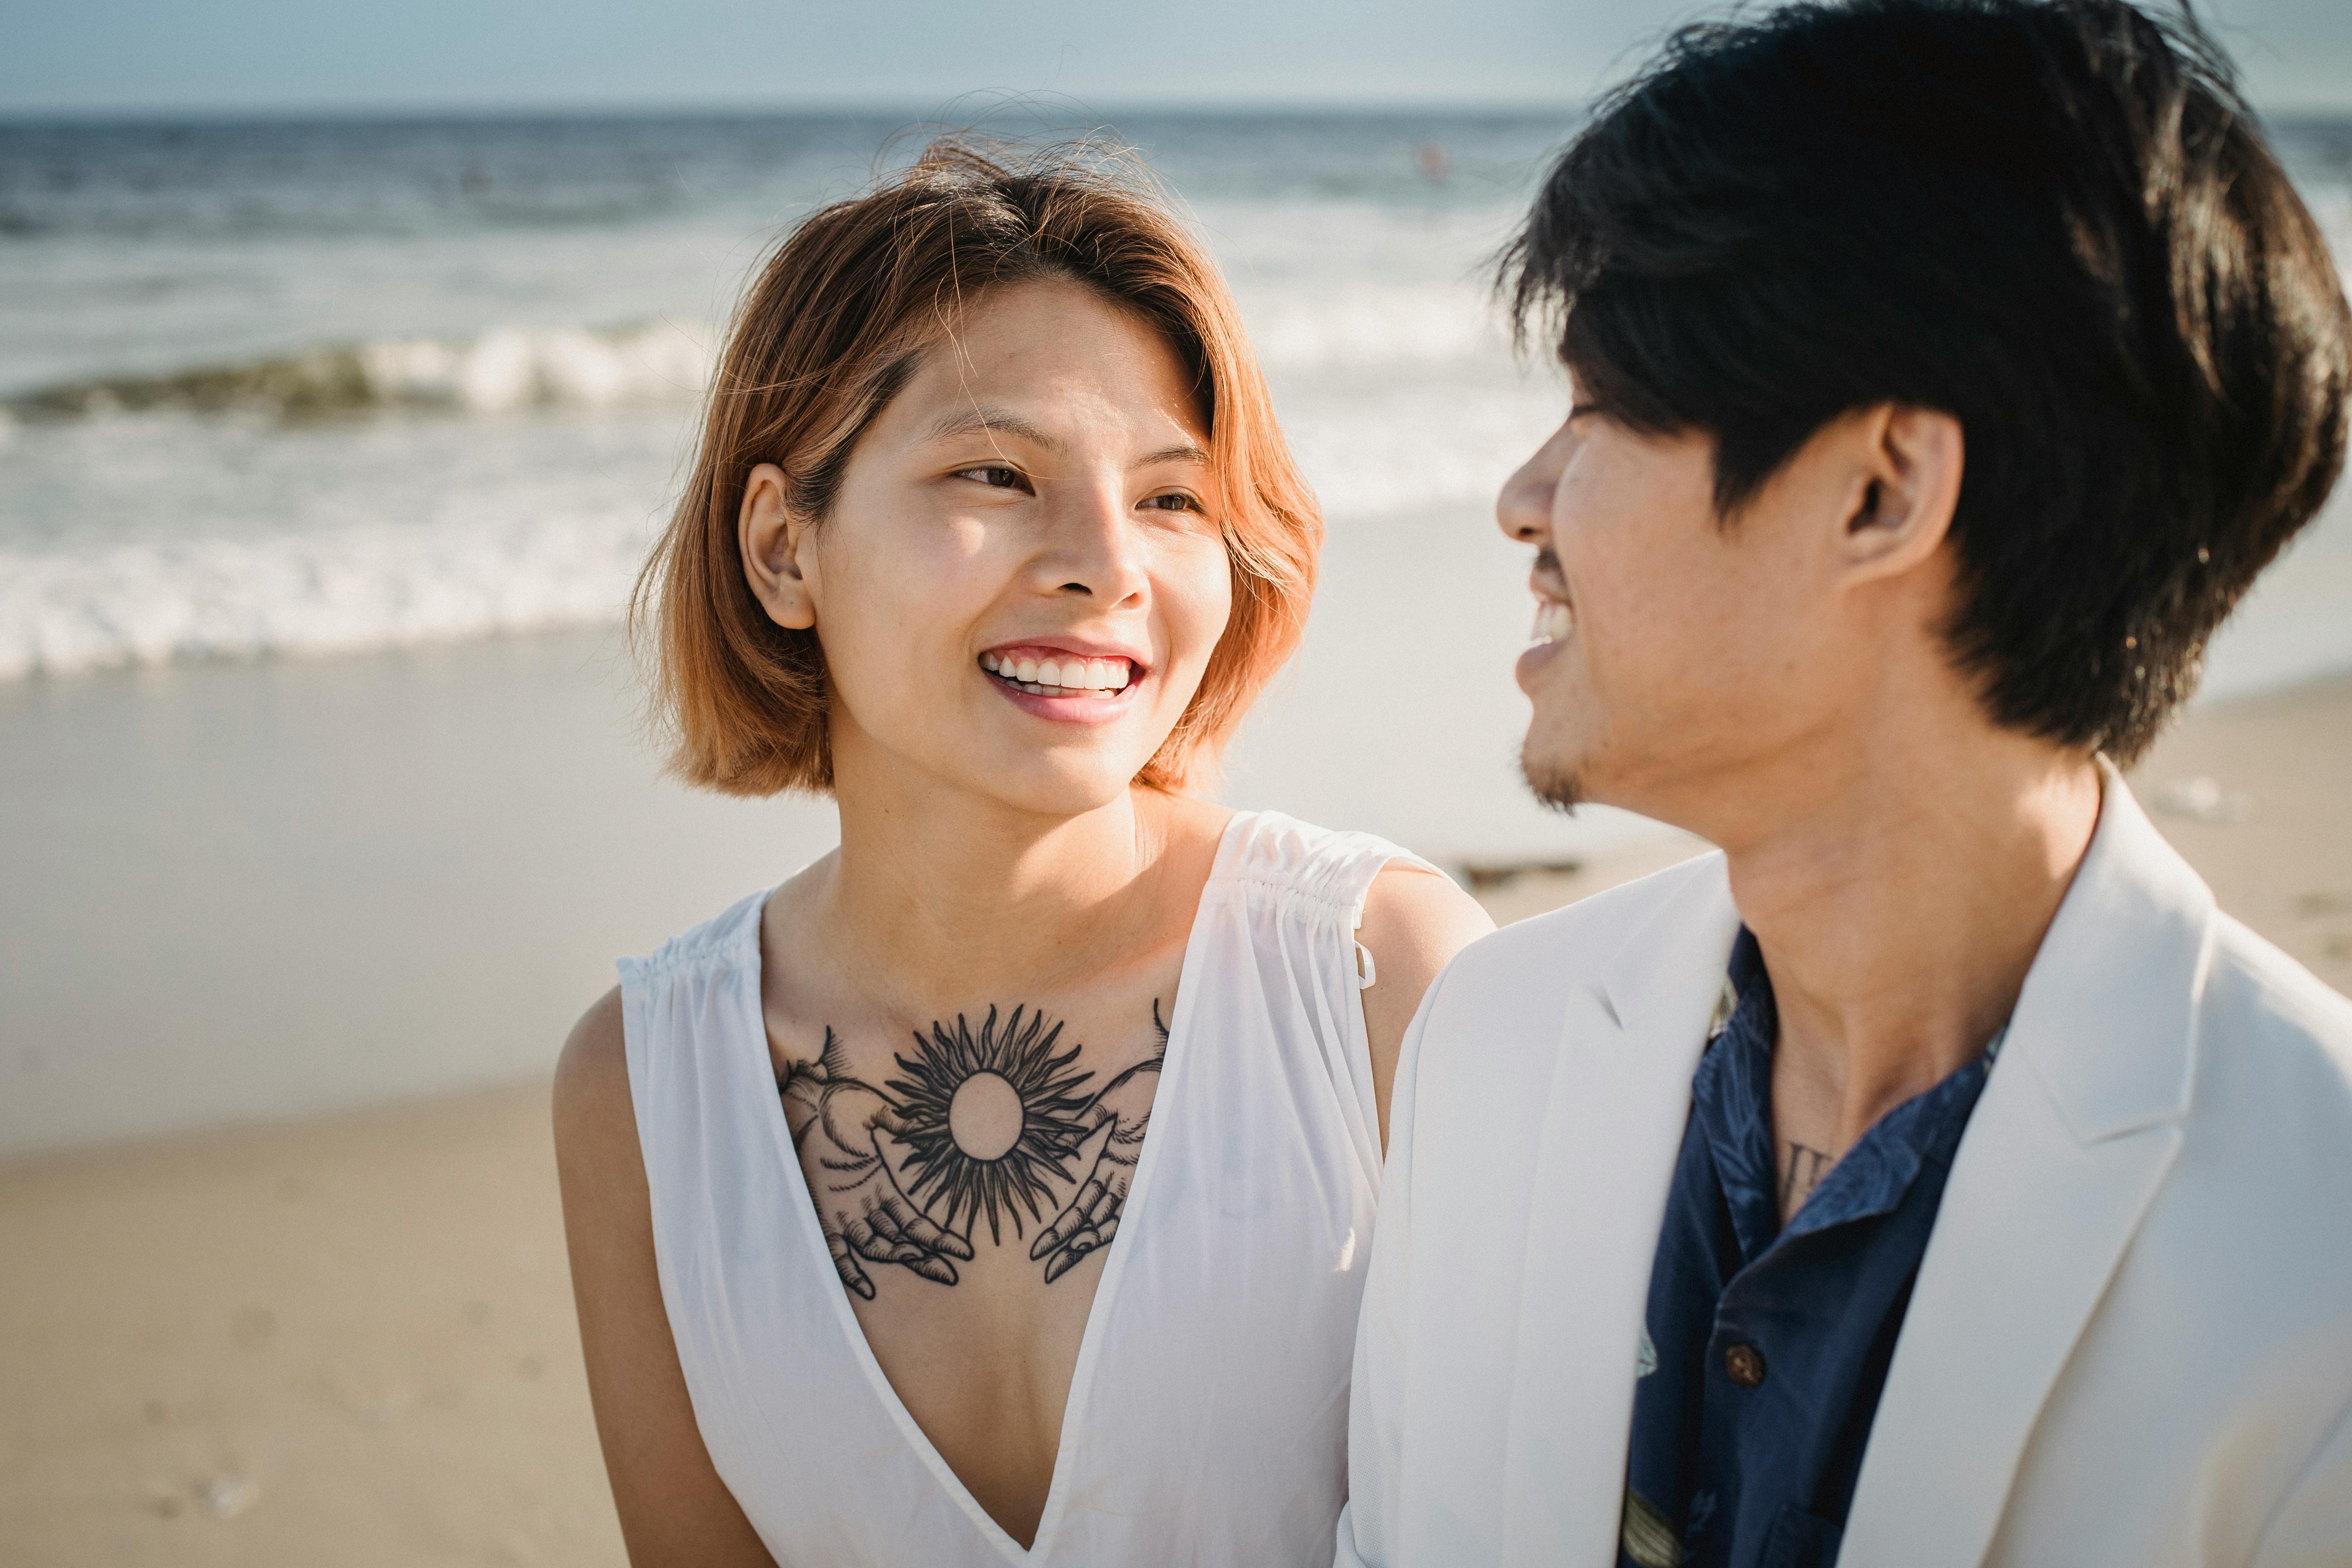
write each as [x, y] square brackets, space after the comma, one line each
[993, 421]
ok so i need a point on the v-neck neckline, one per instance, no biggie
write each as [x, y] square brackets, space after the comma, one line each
[1106, 1286]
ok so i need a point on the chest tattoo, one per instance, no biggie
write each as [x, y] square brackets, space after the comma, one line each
[1802, 1170]
[986, 1123]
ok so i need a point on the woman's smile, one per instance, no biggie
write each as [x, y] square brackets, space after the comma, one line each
[1077, 685]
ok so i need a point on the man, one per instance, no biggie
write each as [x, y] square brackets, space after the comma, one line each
[1935, 1176]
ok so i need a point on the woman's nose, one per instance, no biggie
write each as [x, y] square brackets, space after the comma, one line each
[1522, 509]
[1092, 550]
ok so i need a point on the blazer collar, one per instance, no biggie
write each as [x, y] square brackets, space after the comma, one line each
[2123, 959]
[1676, 952]
[2107, 1019]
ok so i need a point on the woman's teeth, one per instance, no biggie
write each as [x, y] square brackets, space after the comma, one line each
[1554, 621]
[1059, 677]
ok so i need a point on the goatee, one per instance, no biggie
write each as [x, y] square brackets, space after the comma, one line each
[1560, 788]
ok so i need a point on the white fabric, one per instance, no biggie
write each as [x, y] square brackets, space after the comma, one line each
[1207, 1421]
[2131, 1338]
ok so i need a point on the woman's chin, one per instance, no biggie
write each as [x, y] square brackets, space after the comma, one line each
[1064, 781]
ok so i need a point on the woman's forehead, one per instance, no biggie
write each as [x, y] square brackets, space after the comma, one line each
[1048, 364]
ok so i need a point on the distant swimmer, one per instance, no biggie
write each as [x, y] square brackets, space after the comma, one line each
[1435, 162]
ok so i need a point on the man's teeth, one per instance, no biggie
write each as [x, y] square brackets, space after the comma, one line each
[1050, 675]
[1554, 621]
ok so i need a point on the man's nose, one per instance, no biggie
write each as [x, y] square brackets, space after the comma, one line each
[1522, 509]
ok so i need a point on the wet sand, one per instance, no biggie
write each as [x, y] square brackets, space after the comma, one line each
[348, 1340]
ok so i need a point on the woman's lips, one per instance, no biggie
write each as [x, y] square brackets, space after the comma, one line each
[1069, 705]
[1070, 686]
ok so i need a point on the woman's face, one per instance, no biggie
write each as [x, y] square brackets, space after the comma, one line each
[1022, 575]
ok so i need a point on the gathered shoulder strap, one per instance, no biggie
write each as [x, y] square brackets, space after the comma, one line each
[1301, 891]
[1328, 872]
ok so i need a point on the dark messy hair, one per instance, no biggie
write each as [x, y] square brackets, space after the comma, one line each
[2055, 220]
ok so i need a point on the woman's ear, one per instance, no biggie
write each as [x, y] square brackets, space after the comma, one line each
[770, 544]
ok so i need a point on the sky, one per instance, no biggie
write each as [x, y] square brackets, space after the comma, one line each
[162, 56]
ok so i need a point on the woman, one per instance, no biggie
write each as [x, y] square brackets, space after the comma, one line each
[999, 1187]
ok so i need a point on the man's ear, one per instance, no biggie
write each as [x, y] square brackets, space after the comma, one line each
[1905, 485]
[771, 544]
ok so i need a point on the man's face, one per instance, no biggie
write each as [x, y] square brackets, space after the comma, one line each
[1676, 651]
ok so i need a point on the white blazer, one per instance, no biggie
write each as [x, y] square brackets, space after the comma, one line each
[2131, 1338]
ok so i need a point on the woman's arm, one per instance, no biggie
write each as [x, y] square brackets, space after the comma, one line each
[1413, 925]
[674, 1508]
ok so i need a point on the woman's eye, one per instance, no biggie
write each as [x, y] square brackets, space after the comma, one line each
[1173, 502]
[996, 478]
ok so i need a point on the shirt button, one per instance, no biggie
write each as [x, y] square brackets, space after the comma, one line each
[1744, 1364]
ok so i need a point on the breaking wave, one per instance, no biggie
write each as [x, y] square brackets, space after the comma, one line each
[504, 369]
[1349, 327]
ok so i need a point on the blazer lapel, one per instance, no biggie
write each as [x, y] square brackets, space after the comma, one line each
[2079, 1122]
[1612, 1130]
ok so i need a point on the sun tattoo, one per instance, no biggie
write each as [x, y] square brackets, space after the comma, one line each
[987, 1116]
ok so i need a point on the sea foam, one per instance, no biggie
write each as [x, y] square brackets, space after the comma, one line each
[331, 592]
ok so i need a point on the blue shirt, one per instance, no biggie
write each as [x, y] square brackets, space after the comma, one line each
[1765, 1350]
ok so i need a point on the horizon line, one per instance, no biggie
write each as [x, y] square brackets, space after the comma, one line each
[920, 108]
[907, 107]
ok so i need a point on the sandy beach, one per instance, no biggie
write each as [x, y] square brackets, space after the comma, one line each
[349, 1339]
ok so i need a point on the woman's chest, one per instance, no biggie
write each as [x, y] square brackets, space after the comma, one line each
[1031, 1358]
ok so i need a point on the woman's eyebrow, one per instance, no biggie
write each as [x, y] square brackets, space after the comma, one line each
[1187, 454]
[1004, 422]
[993, 421]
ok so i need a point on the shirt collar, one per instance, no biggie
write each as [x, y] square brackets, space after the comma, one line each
[1731, 1098]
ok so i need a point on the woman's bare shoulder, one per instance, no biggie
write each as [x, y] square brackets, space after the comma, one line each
[1414, 922]
[593, 1105]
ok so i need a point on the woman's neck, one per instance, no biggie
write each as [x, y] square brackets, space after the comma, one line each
[939, 893]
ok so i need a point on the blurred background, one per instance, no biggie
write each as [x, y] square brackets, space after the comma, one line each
[347, 360]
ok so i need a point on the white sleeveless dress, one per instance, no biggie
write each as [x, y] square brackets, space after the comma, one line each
[1207, 1421]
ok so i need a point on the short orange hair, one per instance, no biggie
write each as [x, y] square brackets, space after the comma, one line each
[831, 332]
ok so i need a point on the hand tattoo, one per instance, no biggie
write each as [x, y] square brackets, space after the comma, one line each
[859, 1205]
[983, 1118]
[1092, 1217]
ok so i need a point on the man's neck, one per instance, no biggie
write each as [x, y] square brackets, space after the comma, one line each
[1899, 900]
